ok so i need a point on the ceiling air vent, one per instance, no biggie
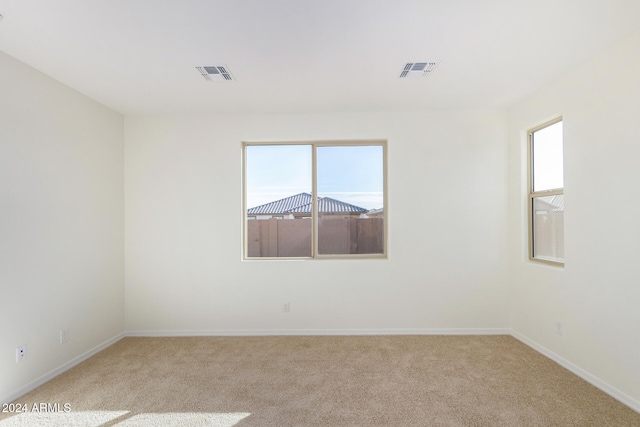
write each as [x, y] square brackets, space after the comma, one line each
[215, 73]
[413, 70]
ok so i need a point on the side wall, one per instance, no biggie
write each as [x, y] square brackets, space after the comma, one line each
[446, 270]
[61, 226]
[595, 296]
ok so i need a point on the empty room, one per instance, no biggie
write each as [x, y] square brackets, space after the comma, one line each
[339, 212]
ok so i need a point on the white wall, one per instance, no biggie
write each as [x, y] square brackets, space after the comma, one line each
[597, 294]
[184, 272]
[61, 225]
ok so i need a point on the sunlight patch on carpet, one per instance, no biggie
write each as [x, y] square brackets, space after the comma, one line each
[98, 418]
[62, 419]
[195, 419]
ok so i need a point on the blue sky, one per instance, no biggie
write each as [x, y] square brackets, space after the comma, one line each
[548, 158]
[352, 174]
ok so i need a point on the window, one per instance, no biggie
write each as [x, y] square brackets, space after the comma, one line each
[546, 193]
[315, 200]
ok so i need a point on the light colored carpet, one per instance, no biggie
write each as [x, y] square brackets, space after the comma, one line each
[321, 381]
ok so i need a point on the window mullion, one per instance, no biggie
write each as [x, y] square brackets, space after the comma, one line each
[544, 193]
[314, 201]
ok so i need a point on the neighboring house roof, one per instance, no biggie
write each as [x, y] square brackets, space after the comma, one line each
[552, 203]
[282, 206]
[301, 203]
[329, 205]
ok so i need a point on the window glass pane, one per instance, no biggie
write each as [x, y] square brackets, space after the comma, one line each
[547, 158]
[350, 182]
[548, 228]
[278, 191]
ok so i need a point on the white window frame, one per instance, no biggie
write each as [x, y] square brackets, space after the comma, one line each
[532, 195]
[314, 215]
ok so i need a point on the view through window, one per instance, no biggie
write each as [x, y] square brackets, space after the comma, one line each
[313, 200]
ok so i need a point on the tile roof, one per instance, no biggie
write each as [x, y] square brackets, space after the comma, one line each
[281, 206]
[553, 203]
[301, 203]
[329, 205]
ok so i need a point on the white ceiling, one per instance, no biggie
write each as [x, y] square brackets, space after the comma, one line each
[139, 56]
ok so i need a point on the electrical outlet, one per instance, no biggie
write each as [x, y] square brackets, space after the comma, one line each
[64, 335]
[21, 353]
[559, 327]
[286, 307]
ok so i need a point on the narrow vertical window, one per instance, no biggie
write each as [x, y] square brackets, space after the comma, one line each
[546, 193]
[314, 200]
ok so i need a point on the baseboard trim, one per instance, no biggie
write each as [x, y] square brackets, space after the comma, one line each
[314, 332]
[60, 369]
[591, 379]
